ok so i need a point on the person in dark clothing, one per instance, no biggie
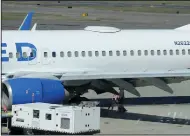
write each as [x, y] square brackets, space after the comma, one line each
[114, 102]
[121, 97]
[118, 101]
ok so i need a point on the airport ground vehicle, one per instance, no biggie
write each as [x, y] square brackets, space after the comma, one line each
[44, 118]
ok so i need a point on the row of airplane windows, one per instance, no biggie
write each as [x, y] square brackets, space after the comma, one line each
[110, 53]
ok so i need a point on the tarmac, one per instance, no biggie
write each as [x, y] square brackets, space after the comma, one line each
[72, 18]
[149, 119]
[145, 120]
[140, 119]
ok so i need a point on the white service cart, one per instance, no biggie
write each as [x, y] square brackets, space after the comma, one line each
[57, 118]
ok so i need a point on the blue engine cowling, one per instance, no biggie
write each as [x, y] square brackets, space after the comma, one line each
[30, 90]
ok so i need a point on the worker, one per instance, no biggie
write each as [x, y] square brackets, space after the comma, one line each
[114, 102]
[120, 100]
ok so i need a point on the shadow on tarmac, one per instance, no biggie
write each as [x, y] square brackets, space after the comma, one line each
[147, 100]
[105, 113]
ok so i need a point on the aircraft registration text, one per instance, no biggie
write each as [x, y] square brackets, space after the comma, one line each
[182, 42]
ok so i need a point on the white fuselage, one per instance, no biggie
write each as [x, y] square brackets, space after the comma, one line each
[125, 50]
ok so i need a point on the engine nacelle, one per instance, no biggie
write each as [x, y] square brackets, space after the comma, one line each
[31, 90]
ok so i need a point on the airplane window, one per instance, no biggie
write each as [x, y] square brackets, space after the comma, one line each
[110, 53]
[189, 51]
[124, 53]
[139, 52]
[90, 53]
[183, 52]
[118, 53]
[83, 53]
[96, 53]
[17, 55]
[10, 55]
[69, 54]
[152, 52]
[61, 54]
[24, 54]
[158, 52]
[164, 52]
[177, 52]
[76, 53]
[132, 53]
[103, 53]
[31, 54]
[53, 54]
[45, 54]
[171, 52]
[145, 52]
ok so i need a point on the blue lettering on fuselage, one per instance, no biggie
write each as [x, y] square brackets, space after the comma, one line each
[19, 50]
[4, 59]
[182, 42]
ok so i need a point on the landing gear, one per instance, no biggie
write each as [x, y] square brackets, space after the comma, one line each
[121, 93]
[77, 100]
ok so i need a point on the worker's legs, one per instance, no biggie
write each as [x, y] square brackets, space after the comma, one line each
[111, 106]
[121, 108]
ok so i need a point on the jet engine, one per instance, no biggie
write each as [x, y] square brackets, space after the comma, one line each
[31, 90]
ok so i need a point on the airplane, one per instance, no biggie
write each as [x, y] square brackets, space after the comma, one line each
[61, 65]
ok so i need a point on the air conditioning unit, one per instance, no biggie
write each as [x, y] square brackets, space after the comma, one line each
[56, 118]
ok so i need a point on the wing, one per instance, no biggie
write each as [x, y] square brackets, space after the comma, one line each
[102, 82]
[102, 75]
